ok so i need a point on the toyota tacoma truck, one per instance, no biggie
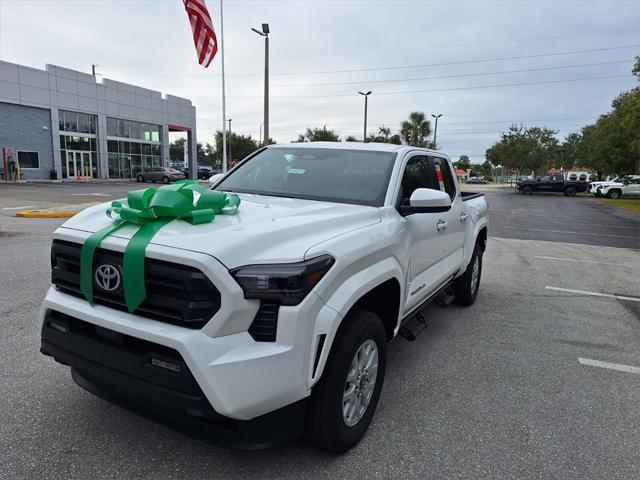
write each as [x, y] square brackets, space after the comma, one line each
[551, 183]
[272, 322]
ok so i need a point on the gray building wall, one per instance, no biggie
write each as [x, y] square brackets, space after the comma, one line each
[61, 88]
[27, 128]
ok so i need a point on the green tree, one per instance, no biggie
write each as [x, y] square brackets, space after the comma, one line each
[176, 149]
[318, 135]
[636, 68]
[351, 138]
[415, 131]
[463, 162]
[240, 145]
[614, 143]
[385, 136]
[534, 148]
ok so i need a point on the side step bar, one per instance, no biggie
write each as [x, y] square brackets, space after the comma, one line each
[416, 324]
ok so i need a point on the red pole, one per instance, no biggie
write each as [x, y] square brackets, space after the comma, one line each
[4, 164]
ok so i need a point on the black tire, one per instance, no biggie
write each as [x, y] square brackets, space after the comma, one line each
[570, 191]
[165, 180]
[139, 179]
[466, 293]
[327, 428]
[527, 190]
[614, 194]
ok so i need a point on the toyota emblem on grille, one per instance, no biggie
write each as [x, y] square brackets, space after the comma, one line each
[107, 277]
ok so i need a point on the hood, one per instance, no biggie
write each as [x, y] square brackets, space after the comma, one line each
[265, 229]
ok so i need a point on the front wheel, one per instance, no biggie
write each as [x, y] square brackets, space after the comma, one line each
[465, 287]
[614, 194]
[140, 179]
[570, 191]
[344, 400]
[165, 180]
[527, 190]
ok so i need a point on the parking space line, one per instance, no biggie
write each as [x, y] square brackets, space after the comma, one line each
[590, 224]
[582, 261]
[568, 232]
[608, 365]
[594, 294]
[17, 208]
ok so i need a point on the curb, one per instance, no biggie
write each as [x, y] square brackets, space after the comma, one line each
[40, 214]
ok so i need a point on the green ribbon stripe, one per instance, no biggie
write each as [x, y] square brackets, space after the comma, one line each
[151, 209]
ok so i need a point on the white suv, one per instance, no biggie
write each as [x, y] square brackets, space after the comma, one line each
[626, 187]
[257, 324]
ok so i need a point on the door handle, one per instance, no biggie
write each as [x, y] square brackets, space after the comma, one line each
[441, 225]
[463, 217]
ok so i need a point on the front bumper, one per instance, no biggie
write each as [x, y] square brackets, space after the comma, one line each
[155, 381]
[241, 378]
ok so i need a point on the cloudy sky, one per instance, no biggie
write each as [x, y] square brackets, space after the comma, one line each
[482, 64]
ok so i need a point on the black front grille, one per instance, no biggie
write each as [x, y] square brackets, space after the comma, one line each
[177, 294]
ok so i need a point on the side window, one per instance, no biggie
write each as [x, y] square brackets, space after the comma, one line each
[419, 173]
[546, 178]
[443, 173]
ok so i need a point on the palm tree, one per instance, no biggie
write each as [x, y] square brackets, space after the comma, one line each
[385, 133]
[416, 130]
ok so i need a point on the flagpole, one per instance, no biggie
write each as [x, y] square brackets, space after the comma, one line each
[224, 112]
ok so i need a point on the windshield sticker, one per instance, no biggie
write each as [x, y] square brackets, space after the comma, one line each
[296, 171]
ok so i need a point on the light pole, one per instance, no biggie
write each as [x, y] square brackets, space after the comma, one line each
[265, 33]
[229, 142]
[435, 131]
[260, 141]
[366, 97]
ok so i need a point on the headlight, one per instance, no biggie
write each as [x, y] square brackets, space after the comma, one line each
[286, 284]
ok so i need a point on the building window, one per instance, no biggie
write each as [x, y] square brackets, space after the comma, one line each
[76, 122]
[117, 127]
[28, 160]
[112, 127]
[123, 128]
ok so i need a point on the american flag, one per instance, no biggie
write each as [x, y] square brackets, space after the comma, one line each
[204, 36]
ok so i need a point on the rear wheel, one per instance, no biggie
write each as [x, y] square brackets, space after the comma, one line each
[614, 194]
[345, 398]
[570, 191]
[527, 189]
[465, 287]
[165, 179]
[140, 179]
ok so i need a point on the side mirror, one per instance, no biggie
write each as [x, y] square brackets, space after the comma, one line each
[215, 178]
[426, 200]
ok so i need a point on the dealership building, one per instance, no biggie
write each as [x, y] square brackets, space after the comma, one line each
[63, 124]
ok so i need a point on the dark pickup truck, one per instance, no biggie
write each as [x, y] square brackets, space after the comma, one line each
[551, 183]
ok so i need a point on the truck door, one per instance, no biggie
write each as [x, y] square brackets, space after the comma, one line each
[428, 234]
[544, 185]
[452, 235]
[424, 237]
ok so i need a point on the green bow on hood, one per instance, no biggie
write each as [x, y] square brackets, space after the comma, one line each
[151, 209]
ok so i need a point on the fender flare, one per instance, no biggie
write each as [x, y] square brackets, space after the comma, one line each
[338, 305]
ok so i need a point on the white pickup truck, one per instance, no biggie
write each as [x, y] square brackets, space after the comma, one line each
[264, 324]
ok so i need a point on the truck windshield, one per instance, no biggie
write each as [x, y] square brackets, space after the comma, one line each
[327, 174]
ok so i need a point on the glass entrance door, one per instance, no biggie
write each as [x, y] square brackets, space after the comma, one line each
[79, 164]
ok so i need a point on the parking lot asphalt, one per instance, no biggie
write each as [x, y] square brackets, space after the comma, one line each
[495, 390]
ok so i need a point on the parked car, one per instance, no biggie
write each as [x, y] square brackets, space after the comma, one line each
[627, 187]
[477, 181]
[551, 183]
[594, 187]
[160, 174]
[281, 314]
[204, 172]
